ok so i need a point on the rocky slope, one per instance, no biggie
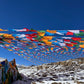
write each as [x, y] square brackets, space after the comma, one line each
[66, 72]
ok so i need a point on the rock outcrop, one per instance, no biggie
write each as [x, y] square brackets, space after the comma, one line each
[8, 72]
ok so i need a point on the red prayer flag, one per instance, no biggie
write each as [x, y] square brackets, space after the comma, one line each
[69, 33]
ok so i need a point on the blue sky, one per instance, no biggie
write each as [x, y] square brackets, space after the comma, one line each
[40, 14]
[43, 14]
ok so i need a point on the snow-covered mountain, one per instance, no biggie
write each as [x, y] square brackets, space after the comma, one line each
[65, 72]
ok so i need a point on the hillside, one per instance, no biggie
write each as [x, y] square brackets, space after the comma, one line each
[66, 72]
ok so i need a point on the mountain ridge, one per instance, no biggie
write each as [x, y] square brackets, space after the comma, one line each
[69, 71]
